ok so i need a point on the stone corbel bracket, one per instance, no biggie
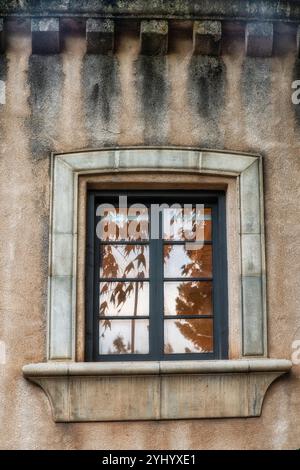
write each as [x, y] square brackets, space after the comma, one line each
[155, 390]
[154, 36]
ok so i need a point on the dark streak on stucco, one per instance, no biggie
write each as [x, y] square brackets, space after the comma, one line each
[101, 87]
[256, 93]
[296, 76]
[45, 76]
[206, 91]
[152, 89]
[3, 75]
[3, 67]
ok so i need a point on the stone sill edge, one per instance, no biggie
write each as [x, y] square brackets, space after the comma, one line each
[56, 369]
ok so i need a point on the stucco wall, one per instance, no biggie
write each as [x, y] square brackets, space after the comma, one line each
[75, 101]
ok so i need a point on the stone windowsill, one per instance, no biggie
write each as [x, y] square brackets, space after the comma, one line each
[115, 391]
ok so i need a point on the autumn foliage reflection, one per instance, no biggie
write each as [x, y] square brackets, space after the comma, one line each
[132, 264]
[195, 298]
[124, 291]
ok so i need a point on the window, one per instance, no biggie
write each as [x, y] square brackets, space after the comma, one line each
[156, 276]
[156, 389]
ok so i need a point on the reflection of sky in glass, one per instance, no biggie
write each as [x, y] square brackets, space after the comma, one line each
[127, 291]
[116, 339]
[180, 262]
[176, 343]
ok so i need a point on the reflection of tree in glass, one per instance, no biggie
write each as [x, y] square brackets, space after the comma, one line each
[192, 300]
[189, 299]
[179, 225]
[168, 349]
[200, 262]
[120, 346]
[198, 332]
[187, 224]
[122, 291]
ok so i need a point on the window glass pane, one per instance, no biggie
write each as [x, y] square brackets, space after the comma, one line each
[124, 337]
[180, 262]
[188, 298]
[130, 223]
[188, 336]
[124, 261]
[187, 224]
[124, 298]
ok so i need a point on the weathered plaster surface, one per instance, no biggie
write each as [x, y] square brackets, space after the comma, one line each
[254, 113]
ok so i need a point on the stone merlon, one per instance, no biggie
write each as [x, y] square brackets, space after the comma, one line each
[100, 36]
[45, 35]
[259, 39]
[154, 37]
[207, 37]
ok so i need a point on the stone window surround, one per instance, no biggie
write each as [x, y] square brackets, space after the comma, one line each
[245, 380]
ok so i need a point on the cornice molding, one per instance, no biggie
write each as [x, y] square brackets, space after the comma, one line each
[262, 10]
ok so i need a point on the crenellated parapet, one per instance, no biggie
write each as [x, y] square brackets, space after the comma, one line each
[210, 24]
[207, 36]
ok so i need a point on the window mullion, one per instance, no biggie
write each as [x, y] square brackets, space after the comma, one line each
[156, 297]
[97, 261]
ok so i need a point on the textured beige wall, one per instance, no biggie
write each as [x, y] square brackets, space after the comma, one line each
[72, 101]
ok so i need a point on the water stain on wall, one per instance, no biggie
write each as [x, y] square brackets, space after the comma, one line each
[256, 96]
[101, 90]
[45, 77]
[206, 91]
[152, 86]
[3, 67]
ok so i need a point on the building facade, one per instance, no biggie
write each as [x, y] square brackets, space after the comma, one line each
[159, 102]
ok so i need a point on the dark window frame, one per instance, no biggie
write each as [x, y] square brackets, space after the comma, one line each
[213, 199]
